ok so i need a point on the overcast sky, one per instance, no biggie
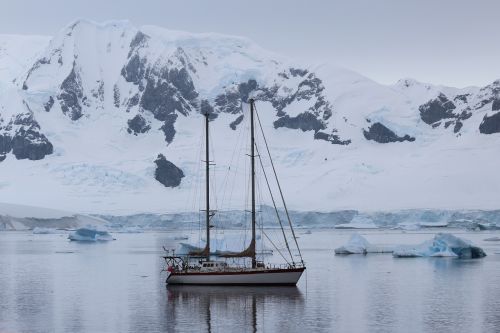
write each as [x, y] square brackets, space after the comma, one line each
[452, 42]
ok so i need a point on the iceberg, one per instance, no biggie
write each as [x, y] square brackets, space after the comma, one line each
[357, 244]
[90, 235]
[443, 245]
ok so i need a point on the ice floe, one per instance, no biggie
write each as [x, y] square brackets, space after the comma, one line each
[443, 245]
[90, 235]
[357, 244]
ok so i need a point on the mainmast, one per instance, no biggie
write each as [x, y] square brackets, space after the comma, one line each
[252, 157]
[207, 176]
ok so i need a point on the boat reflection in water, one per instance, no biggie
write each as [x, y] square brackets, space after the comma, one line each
[233, 309]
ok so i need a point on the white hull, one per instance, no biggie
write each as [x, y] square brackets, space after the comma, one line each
[264, 277]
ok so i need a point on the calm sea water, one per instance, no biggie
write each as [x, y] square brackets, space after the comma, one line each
[48, 284]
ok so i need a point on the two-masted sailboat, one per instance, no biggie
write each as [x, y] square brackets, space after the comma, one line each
[200, 268]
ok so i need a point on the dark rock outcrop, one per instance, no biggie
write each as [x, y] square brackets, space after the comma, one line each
[437, 109]
[495, 106]
[5, 143]
[168, 127]
[305, 121]
[490, 124]
[22, 136]
[71, 95]
[236, 122]
[332, 138]
[138, 125]
[47, 106]
[167, 173]
[165, 92]
[381, 134]
[441, 109]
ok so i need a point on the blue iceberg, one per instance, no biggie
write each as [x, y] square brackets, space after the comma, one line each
[443, 245]
[90, 235]
[357, 244]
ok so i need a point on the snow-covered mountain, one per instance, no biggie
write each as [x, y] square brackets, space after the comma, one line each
[106, 118]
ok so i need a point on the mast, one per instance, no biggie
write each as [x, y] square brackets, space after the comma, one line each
[252, 156]
[207, 176]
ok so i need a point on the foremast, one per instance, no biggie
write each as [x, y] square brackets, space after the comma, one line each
[206, 251]
[252, 157]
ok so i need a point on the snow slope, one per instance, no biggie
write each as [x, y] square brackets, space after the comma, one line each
[91, 109]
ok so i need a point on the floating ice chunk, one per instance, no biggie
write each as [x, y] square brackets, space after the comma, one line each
[357, 244]
[443, 245]
[356, 225]
[40, 230]
[90, 235]
[488, 226]
[492, 239]
[433, 224]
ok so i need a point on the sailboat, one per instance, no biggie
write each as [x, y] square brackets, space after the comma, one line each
[198, 267]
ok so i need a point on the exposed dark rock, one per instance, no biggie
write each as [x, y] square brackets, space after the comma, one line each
[305, 121]
[135, 69]
[236, 122]
[167, 173]
[99, 92]
[298, 72]
[490, 124]
[168, 127]
[483, 103]
[381, 134]
[138, 125]
[71, 94]
[496, 105]
[116, 96]
[333, 138]
[458, 126]
[30, 144]
[27, 142]
[229, 102]
[2, 157]
[462, 98]
[133, 102]
[245, 88]
[437, 109]
[5, 143]
[139, 40]
[47, 106]
[181, 79]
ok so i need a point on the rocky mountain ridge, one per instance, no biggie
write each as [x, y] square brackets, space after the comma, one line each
[121, 85]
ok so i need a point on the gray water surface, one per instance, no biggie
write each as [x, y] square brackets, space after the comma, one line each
[48, 284]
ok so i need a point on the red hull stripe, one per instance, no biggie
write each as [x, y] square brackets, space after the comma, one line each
[241, 272]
